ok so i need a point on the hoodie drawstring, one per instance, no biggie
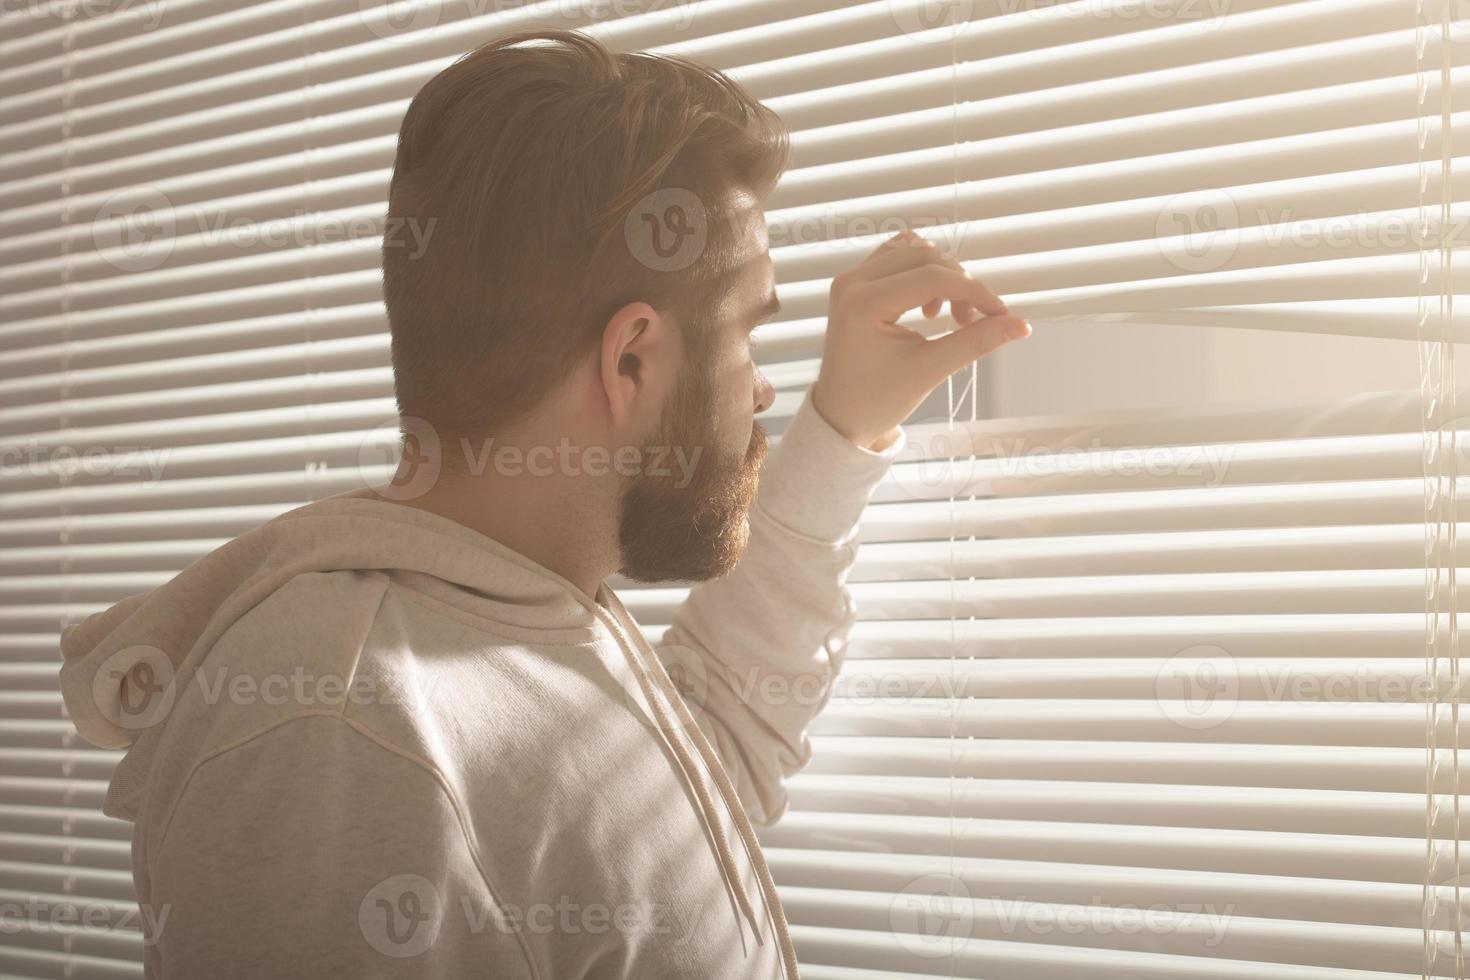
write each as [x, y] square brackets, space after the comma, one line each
[633, 652]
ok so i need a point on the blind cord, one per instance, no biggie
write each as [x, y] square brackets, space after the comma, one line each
[1440, 480]
[956, 887]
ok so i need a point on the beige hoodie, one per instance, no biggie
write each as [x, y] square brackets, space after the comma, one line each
[366, 741]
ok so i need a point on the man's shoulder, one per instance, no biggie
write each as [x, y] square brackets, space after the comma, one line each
[294, 653]
[406, 668]
[314, 624]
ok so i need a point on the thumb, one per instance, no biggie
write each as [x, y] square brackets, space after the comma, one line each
[972, 341]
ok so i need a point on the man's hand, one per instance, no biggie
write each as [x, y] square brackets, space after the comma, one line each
[876, 372]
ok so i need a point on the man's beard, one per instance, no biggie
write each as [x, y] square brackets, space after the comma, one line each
[698, 531]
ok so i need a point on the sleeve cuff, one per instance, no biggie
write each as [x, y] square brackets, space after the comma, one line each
[816, 481]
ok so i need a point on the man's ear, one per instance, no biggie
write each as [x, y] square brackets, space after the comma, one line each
[639, 358]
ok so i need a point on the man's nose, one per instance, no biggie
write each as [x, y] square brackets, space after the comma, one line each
[765, 394]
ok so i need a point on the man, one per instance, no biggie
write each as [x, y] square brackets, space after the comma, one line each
[408, 731]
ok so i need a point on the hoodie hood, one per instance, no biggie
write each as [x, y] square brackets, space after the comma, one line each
[121, 667]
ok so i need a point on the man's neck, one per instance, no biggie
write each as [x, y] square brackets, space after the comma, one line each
[566, 523]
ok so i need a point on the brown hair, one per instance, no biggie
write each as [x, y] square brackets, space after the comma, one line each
[527, 160]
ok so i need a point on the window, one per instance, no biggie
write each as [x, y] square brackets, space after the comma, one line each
[1133, 691]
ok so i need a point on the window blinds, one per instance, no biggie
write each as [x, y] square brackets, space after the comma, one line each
[1179, 735]
[1076, 736]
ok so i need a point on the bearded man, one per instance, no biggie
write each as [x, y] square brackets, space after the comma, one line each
[409, 730]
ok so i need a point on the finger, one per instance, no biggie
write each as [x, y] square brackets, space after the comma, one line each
[902, 238]
[962, 311]
[894, 295]
[959, 348]
[909, 254]
[932, 308]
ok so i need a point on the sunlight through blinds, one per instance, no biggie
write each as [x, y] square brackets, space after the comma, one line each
[1129, 694]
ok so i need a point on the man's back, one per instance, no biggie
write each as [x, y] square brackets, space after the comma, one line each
[390, 746]
[439, 770]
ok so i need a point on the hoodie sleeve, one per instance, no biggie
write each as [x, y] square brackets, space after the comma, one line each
[312, 850]
[756, 651]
